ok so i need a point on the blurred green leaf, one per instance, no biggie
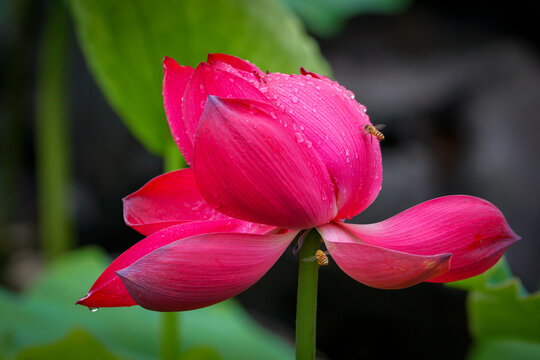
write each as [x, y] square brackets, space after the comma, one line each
[503, 319]
[200, 353]
[505, 350]
[499, 273]
[328, 17]
[500, 312]
[77, 344]
[125, 41]
[46, 313]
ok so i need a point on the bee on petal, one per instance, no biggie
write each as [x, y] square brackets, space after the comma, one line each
[374, 130]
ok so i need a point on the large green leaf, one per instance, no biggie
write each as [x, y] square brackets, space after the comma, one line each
[77, 344]
[501, 312]
[125, 41]
[504, 320]
[328, 17]
[46, 314]
[505, 350]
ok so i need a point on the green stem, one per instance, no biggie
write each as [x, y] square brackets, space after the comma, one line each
[52, 145]
[169, 336]
[170, 345]
[306, 308]
[172, 159]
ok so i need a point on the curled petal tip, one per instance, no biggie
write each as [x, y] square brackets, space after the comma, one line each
[83, 300]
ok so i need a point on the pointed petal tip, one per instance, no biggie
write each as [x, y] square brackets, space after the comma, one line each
[83, 300]
[167, 62]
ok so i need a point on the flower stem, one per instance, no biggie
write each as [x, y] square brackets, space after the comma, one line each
[170, 345]
[52, 134]
[306, 308]
[169, 336]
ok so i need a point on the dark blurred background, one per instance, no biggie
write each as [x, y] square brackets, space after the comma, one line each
[457, 85]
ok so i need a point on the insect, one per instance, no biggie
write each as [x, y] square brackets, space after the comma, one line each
[320, 256]
[374, 130]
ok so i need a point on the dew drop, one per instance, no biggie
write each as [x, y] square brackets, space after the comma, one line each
[273, 115]
[309, 144]
[324, 197]
[314, 110]
[93, 309]
[201, 87]
[299, 137]
[294, 99]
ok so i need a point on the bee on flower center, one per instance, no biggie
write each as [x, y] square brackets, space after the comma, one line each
[374, 130]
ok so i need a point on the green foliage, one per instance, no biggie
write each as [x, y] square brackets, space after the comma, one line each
[503, 319]
[125, 41]
[505, 349]
[45, 318]
[327, 17]
[77, 342]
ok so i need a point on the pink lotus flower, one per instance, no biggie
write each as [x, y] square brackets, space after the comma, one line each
[272, 155]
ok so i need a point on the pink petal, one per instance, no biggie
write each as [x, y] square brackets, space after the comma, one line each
[473, 230]
[245, 69]
[315, 75]
[208, 80]
[251, 166]
[167, 200]
[334, 123]
[202, 270]
[379, 267]
[175, 80]
[108, 290]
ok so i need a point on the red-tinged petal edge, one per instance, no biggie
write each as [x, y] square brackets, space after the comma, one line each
[379, 267]
[333, 122]
[473, 230]
[175, 80]
[109, 291]
[250, 164]
[248, 70]
[202, 270]
[169, 199]
[315, 75]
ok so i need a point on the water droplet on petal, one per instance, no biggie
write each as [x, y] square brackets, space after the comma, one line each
[308, 143]
[93, 309]
[273, 115]
[299, 137]
[294, 99]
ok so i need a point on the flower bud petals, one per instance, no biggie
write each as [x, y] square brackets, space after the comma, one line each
[473, 230]
[169, 199]
[334, 123]
[108, 290]
[379, 267]
[202, 270]
[250, 165]
[175, 80]
[208, 80]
